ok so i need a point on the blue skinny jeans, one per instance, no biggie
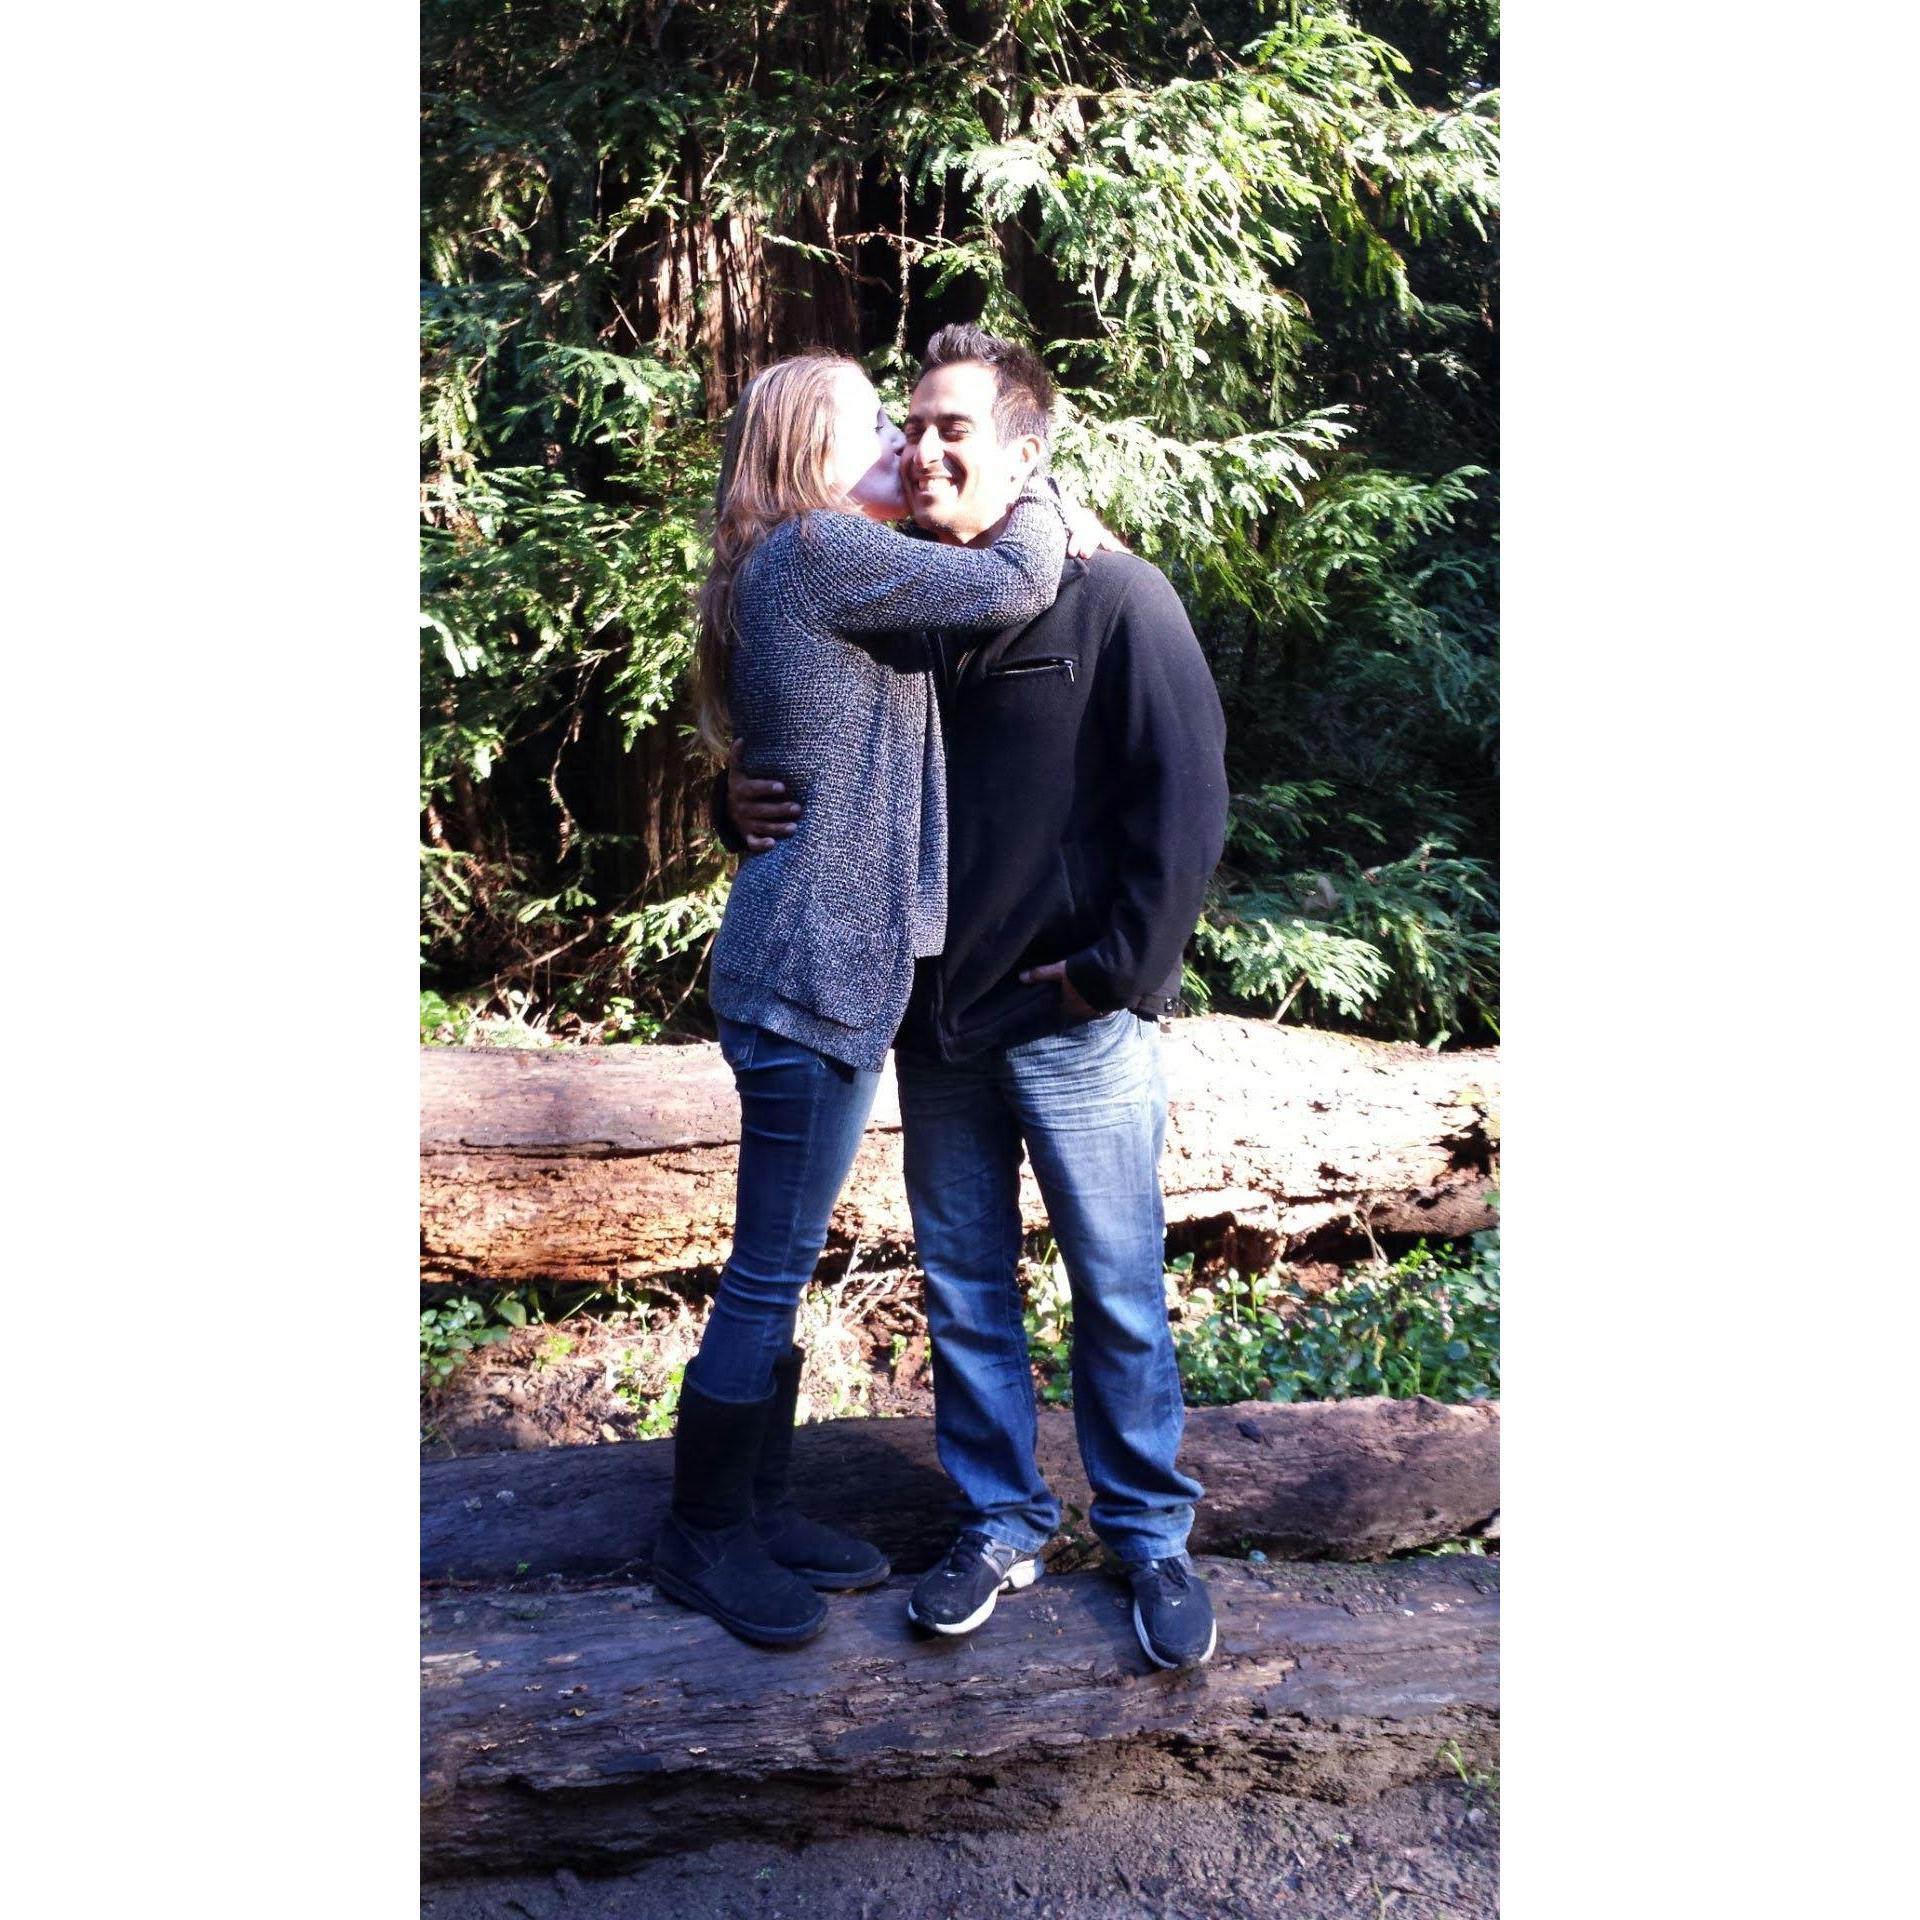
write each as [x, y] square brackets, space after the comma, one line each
[801, 1118]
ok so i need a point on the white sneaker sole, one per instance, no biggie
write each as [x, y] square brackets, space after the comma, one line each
[1023, 1574]
[1140, 1631]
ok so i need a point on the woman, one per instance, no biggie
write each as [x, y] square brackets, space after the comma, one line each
[809, 651]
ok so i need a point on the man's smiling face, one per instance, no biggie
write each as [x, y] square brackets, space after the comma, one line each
[960, 480]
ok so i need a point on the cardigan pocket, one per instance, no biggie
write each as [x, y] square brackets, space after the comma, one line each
[842, 973]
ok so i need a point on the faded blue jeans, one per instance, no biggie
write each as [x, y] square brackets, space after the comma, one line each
[1090, 1106]
[801, 1118]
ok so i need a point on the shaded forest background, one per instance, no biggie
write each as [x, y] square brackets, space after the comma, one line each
[1255, 243]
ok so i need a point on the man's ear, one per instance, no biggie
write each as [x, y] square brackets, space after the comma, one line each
[1024, 455]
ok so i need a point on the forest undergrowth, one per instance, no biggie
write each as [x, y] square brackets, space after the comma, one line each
[1423, 1322]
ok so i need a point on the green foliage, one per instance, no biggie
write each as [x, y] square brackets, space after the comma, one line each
[659, 929]
[1408, 945]
[1048, 1317]
[1428, 1323]
[837, 1381]
[1256, 246]
[1484, 1786]
[1269, 957]
[452, 1330]
[622, 1021]
[654, 1413]
[443, 1023]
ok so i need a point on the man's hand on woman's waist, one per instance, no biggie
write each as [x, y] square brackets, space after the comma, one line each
[760, 809]
[762, 814]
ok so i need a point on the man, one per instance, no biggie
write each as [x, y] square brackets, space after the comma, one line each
[1086, 801]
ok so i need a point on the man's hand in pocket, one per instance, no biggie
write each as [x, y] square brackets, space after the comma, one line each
[1069, 995]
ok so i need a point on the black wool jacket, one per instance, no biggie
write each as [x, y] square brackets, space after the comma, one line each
[1086, 810]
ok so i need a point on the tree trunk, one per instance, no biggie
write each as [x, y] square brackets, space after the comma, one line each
[592, 1729]
[1345, 1480]
[597, 1165]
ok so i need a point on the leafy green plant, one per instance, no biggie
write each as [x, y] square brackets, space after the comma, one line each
[837, 1382]
[1482, 1784]
[654, 1413]
[1427, 1324]
[443, 1023]
[454, 1329]
[1408, 945]
[1224, 1350]
[1048, 1316]
[622, 1021]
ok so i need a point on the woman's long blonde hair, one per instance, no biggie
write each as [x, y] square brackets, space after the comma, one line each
[774, 465]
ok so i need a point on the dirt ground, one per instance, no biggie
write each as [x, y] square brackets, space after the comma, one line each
[1421, 1853]
[588, 1378]
[584, 1381]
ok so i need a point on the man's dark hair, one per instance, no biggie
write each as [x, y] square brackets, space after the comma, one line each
[1023, 392]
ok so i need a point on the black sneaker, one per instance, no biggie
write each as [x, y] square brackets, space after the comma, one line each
[959, 1593]
[1172, 1613]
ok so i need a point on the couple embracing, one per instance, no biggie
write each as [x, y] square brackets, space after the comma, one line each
[996, 795]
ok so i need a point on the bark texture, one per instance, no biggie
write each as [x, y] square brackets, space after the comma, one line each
[594, 1728]
[590, 1166]
[1343, 1480]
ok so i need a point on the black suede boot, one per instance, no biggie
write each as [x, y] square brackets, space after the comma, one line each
[708, 1554]
[817, 1554]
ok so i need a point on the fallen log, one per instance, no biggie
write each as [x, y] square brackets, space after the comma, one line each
[592, 1729]
[1343, 1479]
[591, 1165]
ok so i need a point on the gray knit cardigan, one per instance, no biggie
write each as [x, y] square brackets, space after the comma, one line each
[830, 688]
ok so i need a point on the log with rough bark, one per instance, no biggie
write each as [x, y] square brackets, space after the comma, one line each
[1344, 1479]
[595, 1728]
[590, 1165]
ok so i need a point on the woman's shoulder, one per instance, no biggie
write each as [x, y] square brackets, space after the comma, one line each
[806, 539]
[835, 531]
[816, 524]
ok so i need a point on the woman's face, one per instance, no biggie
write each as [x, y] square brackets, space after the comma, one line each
[865, 463]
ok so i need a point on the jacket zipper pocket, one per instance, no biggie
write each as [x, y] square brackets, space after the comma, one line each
[1020, 669]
